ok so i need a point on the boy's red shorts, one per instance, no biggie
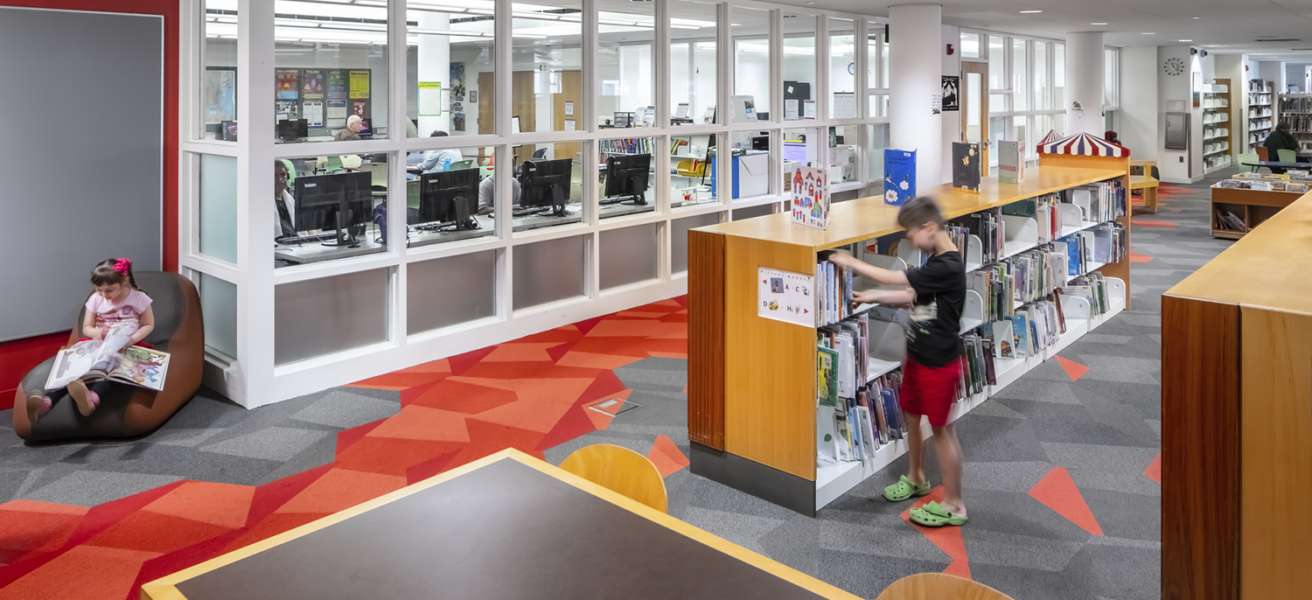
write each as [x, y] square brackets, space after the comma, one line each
[930, 391]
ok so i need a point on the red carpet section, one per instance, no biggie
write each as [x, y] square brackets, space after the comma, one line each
[530, 394]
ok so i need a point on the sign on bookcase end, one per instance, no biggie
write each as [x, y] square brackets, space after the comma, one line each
[811, 197]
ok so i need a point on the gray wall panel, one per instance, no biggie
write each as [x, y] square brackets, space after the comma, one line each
[81, 97]
[450, 291]
[679, 238]
[548, 271]
[322, 316]
[628, 255]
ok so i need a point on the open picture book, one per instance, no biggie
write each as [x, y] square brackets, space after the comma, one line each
[142, 367]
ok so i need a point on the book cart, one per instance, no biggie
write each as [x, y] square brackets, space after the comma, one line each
[752, 408]
[1237, 421]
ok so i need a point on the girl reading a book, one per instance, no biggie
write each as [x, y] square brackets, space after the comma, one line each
[118, 315]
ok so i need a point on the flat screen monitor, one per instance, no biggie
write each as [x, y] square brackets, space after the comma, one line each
[795, 151]
[627, 177]
[342, 202]
[291, 130]
[366, 129]
[449, 197]
[545, 183]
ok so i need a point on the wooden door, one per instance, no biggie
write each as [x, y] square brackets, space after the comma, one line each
[974, 93]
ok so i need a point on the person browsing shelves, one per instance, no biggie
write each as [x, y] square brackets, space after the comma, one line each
[1280, 139]
[937, 295]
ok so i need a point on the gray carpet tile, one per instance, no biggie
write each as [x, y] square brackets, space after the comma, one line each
[209, 439]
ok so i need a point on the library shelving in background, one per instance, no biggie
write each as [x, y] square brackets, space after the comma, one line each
[1297, 110]
[1236, 419]
[1216, 125]
[1261, 112]
[752, 409]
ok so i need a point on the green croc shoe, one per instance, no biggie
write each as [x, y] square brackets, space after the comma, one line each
[934, 515]
[904, 489]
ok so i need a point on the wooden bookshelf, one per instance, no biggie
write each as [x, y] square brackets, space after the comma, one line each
[1236, 420]
[752, 383]
[1253, 206]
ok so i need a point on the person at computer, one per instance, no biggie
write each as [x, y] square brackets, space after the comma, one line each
[1280, 139]
[352, 130]
[283, 201]
[435, 160]
[487, 191]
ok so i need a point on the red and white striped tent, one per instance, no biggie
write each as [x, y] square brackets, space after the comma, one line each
[1084, 144]
[1052, 135]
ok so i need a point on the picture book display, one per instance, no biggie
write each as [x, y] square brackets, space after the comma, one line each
[142, 367]
[785, 296]
[965, 166]
[1011, 162]
[811, 197]
[899, 176]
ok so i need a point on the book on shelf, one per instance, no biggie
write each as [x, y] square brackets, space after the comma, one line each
[899, 176]
[1011, 162]
[987, 225]
[965, 166]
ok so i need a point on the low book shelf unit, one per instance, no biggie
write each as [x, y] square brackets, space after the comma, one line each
[754, 421]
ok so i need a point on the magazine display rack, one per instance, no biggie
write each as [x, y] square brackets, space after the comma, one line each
[752, 408]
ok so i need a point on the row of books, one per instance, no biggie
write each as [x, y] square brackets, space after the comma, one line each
[1043, 210]
[987, 225]
[865, 423]
[1106, 200]
[842, 360]
[1298, 105]
[1031, 329]
[1093, 287]
[1299, 123]
[1037, 273]
[996, 286]
[833, 291]
[1106, 243]
[977, 370]
[642, 145]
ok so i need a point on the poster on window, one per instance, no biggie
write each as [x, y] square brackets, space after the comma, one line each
[359, 84]
[951, 87]
[288, 84]
[337, 85]
[312, 85]
[220, 95]
[358, 107]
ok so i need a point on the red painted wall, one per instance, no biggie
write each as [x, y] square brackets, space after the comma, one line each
[19, 356]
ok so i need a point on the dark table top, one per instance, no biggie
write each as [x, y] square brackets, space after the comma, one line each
[508, 526]
[1276, 163]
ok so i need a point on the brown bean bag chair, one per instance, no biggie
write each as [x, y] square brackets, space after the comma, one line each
[126, 410]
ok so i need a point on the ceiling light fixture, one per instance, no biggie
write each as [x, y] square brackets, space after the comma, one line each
[1030, 12]
[1149, 33]
[1097, 23]
[1196, 17]
[1186, 40]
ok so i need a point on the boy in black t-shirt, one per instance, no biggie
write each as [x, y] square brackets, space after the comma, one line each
[937, 295]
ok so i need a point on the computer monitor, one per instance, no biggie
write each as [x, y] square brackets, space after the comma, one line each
[342, 202]
[449, 198]
[761, 142]
[795, 151]
[626, 178]
[290, 130]
[227, 131]
[545, 183]
[366, 129]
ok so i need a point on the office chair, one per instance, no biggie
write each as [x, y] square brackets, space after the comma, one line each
[461, 165]
[1287, 155]
[540, 154]
[1263, 153]
[334, 165]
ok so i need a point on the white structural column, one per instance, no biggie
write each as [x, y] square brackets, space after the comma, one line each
[1084, 81]
[915, 78]
[434, 65]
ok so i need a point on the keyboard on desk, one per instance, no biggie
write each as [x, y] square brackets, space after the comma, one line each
[307, 239]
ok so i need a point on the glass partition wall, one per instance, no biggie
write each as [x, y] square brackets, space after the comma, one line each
[447, 175]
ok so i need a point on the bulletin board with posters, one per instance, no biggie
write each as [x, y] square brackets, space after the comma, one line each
[324, 97]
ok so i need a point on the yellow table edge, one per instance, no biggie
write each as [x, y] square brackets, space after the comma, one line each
[165, 588]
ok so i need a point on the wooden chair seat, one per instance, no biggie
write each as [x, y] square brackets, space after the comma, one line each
[939, 586]
[620, 470]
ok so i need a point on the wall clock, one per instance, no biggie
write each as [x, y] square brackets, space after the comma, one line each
[851, 68]
[1173, 66]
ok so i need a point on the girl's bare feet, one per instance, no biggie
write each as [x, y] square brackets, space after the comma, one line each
[87, 400]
